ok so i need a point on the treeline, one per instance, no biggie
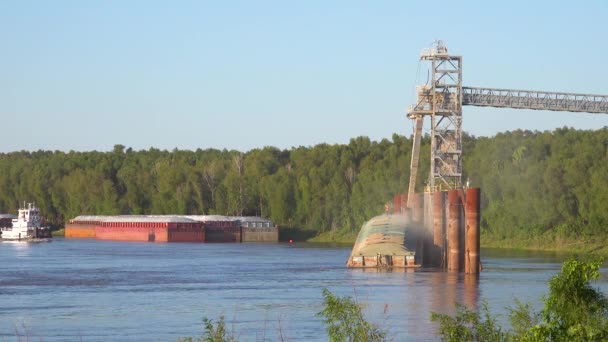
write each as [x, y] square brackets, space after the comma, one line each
[542, 182]
[321, 187]
[531, 181]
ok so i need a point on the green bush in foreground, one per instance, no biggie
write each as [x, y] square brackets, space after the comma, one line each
[468, 325]
[344, 321]
[213, 332]
[573, 311]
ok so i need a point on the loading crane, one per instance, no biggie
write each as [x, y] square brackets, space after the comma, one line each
[442, 99]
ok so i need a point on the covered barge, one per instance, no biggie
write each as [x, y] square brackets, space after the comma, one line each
[382, 242]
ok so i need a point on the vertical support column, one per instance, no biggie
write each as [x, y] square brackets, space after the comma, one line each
[418, 212]
[428, 214]
[438, 228]
[471, 257]
[397, 204]
[454, 228]
[415, 160]
[417, 218]
[427, 223]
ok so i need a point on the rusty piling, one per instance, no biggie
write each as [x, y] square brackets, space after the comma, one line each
[454, 229]
[471, 258]
[438, 229]
[397, 204]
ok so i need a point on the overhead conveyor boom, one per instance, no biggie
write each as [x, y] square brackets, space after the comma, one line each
[538, 100]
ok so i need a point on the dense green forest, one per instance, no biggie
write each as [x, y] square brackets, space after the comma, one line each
[532, 182]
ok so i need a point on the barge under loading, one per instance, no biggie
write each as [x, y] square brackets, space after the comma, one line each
[442, 228]
[382, 242]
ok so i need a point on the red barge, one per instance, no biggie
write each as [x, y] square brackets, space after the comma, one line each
[151, 229]
[173, 228]
[83, 226]
[220, 228]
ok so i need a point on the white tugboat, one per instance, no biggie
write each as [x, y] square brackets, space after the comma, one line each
[27, 225]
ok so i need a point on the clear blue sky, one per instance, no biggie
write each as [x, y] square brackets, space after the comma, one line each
[86, 75]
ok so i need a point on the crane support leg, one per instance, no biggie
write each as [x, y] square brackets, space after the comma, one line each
[415, 160]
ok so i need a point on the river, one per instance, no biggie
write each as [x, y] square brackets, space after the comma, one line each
[88, 290]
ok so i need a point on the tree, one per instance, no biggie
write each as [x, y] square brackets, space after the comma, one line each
[573, 310]
[468, 325]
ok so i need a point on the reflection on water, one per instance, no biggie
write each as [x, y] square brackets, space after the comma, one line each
[385, 270]
[69, 290]
[542, 256]
[470, 290]
[21, 249]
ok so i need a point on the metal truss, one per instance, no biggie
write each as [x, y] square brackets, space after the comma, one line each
[446, 121]
[539, 100]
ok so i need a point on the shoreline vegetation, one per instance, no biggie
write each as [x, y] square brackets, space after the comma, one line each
[58, 232]
[540, 190]
[597, 246]
[547, 242]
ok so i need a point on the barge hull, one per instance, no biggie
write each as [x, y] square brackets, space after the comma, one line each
[79, 231]
[260, 234]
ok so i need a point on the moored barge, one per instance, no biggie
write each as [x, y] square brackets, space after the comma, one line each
[151, 229]
[173, 228]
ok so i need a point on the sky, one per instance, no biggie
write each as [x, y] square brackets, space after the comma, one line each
[87, 75]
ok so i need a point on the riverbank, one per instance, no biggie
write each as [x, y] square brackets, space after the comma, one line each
[340, 237]
[548, 241]
[58, 233]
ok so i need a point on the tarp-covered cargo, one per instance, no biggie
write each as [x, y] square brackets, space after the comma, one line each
[382, 242]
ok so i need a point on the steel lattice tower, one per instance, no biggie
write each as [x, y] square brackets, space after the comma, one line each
[441, 99]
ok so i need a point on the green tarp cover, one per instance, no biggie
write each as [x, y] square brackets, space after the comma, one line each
[384, 235]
